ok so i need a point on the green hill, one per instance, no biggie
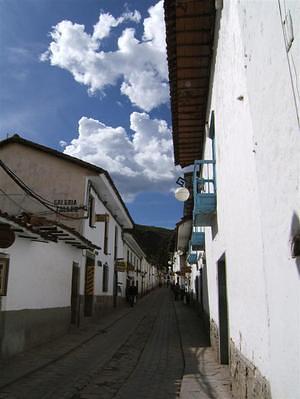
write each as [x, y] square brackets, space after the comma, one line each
[156, 242]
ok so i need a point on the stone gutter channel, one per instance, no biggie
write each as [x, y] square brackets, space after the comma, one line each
[203, 377]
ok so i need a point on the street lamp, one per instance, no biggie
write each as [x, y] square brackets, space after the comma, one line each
[182, 194]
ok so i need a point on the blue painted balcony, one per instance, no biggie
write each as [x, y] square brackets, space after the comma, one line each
[198, 241]
[192, 259]
[205, 198]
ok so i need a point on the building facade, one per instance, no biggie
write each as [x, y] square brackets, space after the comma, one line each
[235, 105]
[39, 181]
[39, 281]
[139, 271]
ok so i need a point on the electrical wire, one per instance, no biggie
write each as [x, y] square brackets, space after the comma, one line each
[9, 197]
[46, 203]
[13, 201]
[27, 189]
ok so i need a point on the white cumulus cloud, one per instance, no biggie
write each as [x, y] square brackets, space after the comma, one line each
[140, 65]
[142, 162]
[63, 143]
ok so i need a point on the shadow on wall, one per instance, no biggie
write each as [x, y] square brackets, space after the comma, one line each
[205, 300]
[203, 377]
[295, 239]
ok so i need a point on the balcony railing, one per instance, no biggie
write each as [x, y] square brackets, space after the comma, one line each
[192, 259]
[204, 189]
[197, 241]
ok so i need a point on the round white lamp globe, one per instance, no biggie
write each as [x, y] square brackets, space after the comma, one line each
[182, 194]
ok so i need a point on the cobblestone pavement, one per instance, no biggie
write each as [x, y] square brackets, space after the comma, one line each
[152, 360]
[105, 361]
[156, 350]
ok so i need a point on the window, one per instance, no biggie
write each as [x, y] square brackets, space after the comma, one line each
[105, 247]
[116, 243]
[105, 278]
[92, 216]
[4, 262]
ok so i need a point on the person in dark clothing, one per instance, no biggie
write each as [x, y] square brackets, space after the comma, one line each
[135, 292]
[131, 294]
[176, 291]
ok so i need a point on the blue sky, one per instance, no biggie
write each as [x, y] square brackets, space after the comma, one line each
[90, 78]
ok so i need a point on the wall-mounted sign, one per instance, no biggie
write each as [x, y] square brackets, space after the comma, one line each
[102, 217]
[120, 266]
[7, 237]
[68, 205]
[130, 267]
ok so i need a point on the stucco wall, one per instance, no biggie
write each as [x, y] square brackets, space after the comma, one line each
[40, 275]
[50, 176]
[96, 235]
[37, 305]
[257, 143]
[133, 259]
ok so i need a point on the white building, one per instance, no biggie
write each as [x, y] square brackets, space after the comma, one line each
[40, 265]
[235, 102]
[138, 270]
[78, 194]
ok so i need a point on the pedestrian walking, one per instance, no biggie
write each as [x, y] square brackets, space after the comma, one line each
[131, 294]
[176, 291]
[135, 293]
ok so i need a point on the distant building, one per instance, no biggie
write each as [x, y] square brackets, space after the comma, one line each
[234, 75]
[138, 270]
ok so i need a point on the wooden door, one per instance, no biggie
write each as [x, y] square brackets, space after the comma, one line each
[223, 312]
[89, 286]
[75, 294]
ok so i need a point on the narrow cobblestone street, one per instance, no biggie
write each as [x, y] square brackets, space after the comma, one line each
[135, 352]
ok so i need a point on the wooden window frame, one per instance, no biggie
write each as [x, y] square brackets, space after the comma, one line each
[4, 263]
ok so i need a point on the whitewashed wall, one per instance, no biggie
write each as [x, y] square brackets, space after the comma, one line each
[96, 236]
[134, 254]
[258, 177]
[40, 275]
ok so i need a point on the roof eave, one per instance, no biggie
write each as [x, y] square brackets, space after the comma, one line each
[190, 35]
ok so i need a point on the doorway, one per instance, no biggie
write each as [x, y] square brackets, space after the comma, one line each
[75, 294]
[89, 286]
[223, 312]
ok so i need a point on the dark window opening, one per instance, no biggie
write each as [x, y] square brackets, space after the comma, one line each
[4, 264]
[105, 278]
[92, 216]
[105, 247]
[116, 243]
